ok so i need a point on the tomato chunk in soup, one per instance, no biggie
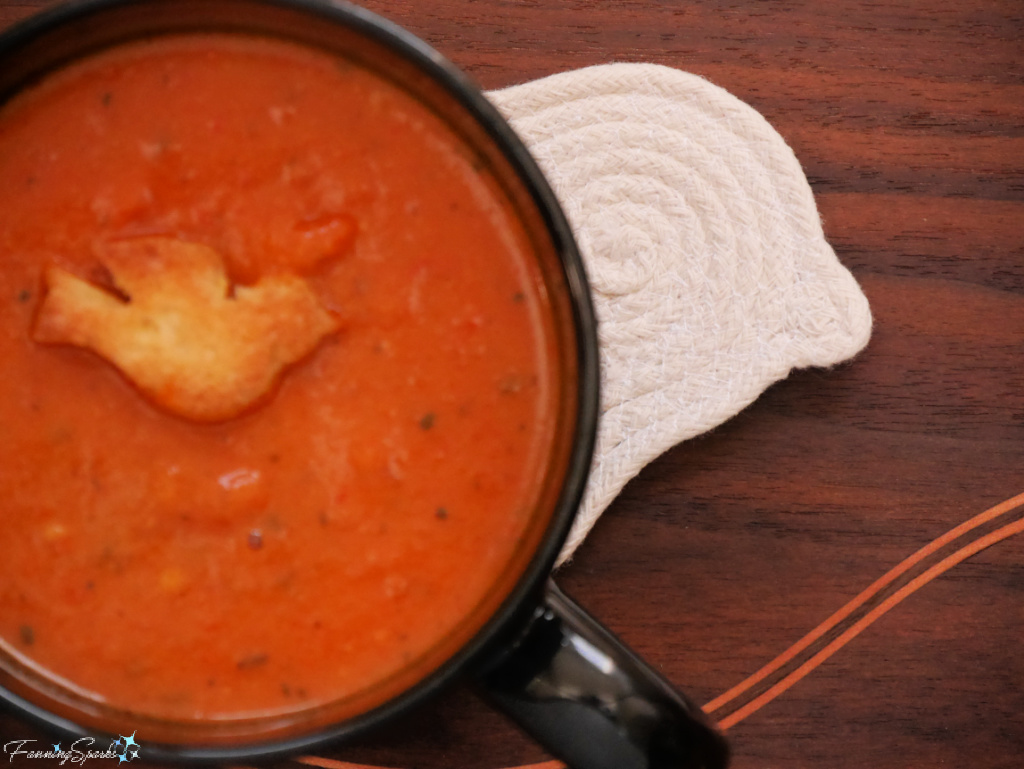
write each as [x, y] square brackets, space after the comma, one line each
[339, 525]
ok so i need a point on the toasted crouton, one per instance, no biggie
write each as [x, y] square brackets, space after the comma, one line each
[188, 341]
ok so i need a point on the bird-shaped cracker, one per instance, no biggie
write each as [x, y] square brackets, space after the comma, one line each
[188, 341]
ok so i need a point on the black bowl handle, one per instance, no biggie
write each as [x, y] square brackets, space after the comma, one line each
[592, 702]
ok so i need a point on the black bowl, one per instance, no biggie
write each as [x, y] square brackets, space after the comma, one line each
[553, 668]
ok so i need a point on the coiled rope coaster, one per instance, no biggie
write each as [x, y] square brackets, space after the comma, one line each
[712, 278]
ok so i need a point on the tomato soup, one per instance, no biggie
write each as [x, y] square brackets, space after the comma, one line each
[332, 533]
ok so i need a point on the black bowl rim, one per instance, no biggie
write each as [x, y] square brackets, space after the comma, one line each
[525, 596]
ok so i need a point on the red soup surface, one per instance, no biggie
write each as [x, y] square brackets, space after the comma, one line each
[340, 528]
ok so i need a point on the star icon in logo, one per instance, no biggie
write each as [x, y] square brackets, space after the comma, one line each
[131, 749]
[56, 748]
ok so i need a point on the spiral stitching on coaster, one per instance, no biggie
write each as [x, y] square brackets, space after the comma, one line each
[711, 274]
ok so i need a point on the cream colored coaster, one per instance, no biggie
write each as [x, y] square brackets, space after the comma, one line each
[711, 275]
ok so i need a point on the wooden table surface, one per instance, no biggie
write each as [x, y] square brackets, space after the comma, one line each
[908, 117]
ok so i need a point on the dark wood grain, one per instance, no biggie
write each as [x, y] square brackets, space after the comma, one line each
[908, 118]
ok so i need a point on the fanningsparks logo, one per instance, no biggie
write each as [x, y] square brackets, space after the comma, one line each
[124, 749]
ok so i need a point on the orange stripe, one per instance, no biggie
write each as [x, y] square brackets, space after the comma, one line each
[330, 763]
[944, 565]
[860, 600]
